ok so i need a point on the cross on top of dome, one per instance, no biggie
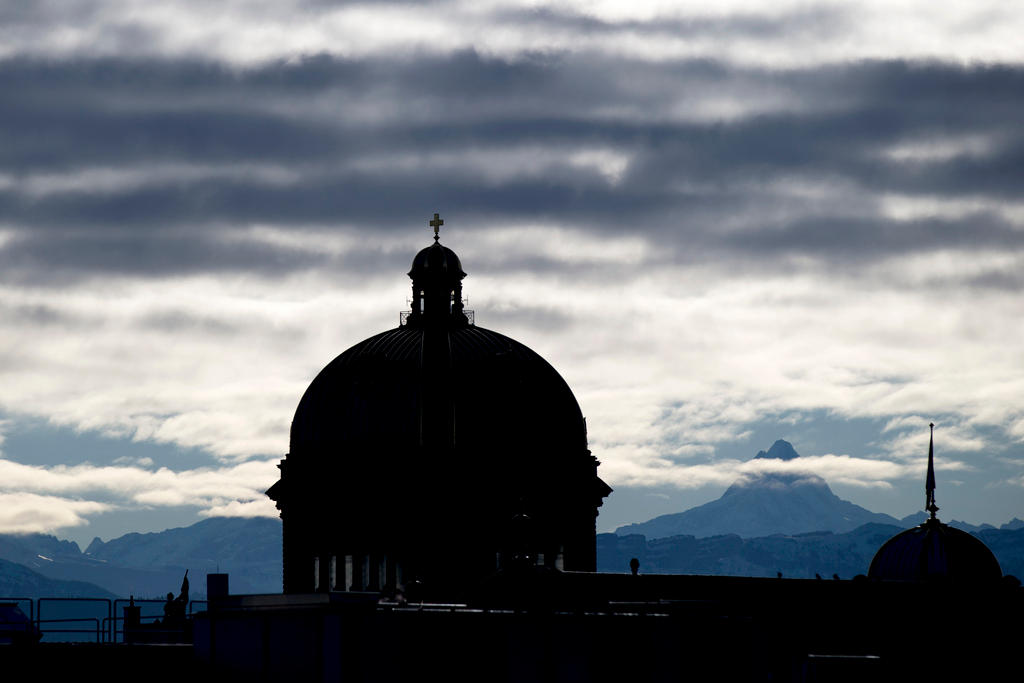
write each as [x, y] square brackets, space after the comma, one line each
[436, 222]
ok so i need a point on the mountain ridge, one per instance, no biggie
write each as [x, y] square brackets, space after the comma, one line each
[793, 556]
[18, 580]
[151, 564]
[765, 504]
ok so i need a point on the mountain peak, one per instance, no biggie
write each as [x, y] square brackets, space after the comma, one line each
[780, 450]
[764, 503]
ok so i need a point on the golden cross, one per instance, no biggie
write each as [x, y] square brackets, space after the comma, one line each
[436, 224]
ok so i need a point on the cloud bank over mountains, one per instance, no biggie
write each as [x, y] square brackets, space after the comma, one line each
[704, 217]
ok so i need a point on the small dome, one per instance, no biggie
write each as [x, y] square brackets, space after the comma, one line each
[935, 551]
[436, 261]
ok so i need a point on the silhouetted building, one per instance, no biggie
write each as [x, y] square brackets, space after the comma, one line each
[934, 551]
[453, 461]
[412, 452]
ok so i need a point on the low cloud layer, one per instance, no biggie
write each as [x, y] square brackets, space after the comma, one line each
[26, 513]
[38, 499]
[836, 469]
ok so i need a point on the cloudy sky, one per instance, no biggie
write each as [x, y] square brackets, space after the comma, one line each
[723, 224]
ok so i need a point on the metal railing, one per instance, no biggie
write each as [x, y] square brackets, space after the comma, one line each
[66, 619]
[107, 628]
[403, 317]
[31, 605]
[95, 629]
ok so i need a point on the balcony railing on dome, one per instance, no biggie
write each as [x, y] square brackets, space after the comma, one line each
[403, 317]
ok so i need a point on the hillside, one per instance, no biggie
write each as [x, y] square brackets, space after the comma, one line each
[150, 565]
[18, 581]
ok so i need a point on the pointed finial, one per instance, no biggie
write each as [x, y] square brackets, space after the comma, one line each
[436, 224]
[929, 484]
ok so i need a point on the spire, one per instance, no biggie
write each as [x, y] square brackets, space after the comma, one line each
[929, 484]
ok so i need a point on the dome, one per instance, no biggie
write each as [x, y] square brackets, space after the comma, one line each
[498, 395]
[436, 261]
[935, 551]
[412, 450]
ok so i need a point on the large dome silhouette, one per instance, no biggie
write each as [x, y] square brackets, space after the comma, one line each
[501, 395]
[413, 450]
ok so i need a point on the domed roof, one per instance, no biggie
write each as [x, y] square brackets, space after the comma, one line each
[933, 551]
[438, 382]
[486, 390]
[436, 261]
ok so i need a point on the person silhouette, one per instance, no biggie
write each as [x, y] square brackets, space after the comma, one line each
[174, 608]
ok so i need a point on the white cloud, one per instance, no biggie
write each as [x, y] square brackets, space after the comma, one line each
[26, 513]
[667, 361]
[791, 33]
[837, 469]
[909, 443]
[195, 385]
[238, 490]
[113, 180]
[236, 508]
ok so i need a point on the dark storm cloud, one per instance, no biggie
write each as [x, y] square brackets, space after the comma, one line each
[43, 258]
[57, 258]
[1009, 282]
[68, 134]
[325, 161]
[29, 14]
[194, 111]
[865, 237]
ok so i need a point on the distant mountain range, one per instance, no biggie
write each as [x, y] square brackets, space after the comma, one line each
[18, 581]
[147, 565]
[799, 556]
[772, 503]
[760, 526]
[775, 523]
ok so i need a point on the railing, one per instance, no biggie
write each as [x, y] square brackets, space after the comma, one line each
[403, 317]
[114, 629]
[104, 629]
[31, 606]
[68, 619]
[94, 620]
